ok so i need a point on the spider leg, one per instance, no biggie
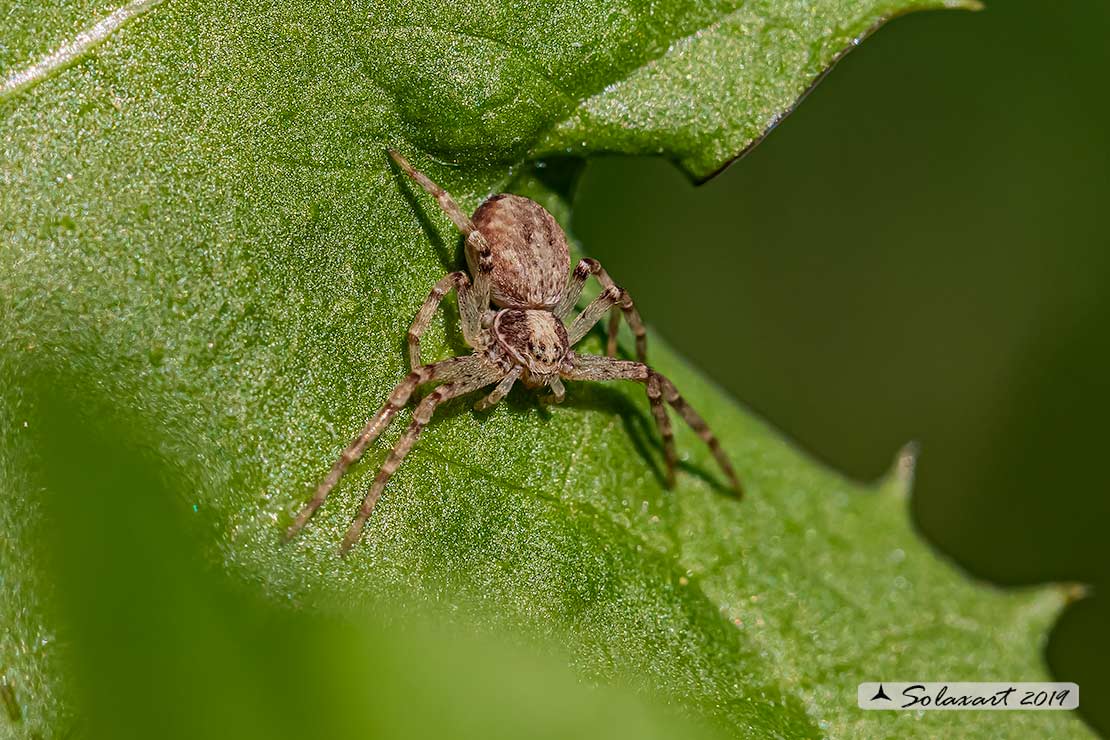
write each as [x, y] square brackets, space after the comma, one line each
[476, 244]
[468, 314]
[611, 337]
[588, 367]
[573, 292]
[585, 321]
[450, 369]
[659, 411]
[446, 202]
[420, 418]
[557, 394]
[500, 391]
[603, 368]
[693, 418]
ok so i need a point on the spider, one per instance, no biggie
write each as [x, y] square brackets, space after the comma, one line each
[519, 258]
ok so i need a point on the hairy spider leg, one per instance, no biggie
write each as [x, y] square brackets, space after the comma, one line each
[589, 367]
[586, 320]
[557, 394]
[500, 391]
[659, 411]
[476, 244]
[447, 370]
[420, 418]
[581, 326]
[573, 292]
[468, 314]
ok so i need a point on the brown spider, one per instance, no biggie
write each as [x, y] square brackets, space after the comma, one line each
[519, 257]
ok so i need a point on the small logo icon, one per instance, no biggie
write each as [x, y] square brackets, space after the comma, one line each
[880, 694]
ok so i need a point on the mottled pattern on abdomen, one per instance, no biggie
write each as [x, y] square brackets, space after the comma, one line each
[530, 255]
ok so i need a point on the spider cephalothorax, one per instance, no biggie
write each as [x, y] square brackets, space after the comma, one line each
[513, 315]
[535, 340]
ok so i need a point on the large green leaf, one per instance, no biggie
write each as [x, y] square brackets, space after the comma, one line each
[205, 246]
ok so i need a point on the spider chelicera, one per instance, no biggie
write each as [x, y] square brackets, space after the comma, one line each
[519, 258]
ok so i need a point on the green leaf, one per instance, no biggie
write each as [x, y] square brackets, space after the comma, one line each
[209, 262]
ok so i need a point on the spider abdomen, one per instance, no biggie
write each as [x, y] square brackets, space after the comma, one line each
[529, 249]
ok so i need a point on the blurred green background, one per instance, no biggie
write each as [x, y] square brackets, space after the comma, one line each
[161, 644]
[918, 253]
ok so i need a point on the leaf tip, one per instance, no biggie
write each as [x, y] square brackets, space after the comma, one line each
[972, 5]
[898, 481]
[1073, 592]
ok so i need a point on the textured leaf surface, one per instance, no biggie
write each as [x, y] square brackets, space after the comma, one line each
[206, 247]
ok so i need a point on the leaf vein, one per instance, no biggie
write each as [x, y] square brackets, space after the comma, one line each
[71, 51]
